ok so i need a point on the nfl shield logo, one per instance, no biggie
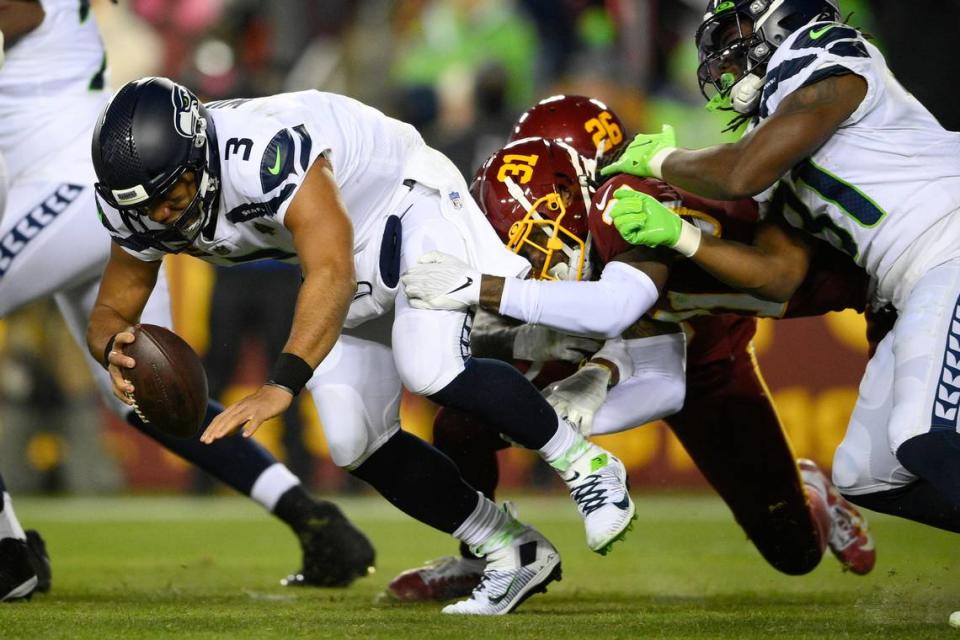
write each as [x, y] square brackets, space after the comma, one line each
[455, 199]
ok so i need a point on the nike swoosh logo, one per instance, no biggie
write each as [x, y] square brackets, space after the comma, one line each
[506, 592]
[275, 169]
[463, 286]
[623, 504]
[575, 476]
[602, 204]
[815, 34]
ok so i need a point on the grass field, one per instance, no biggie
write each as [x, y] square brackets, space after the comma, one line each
[209, 568]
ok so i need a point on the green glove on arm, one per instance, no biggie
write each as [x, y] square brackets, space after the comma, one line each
[642, 219]
[645, 155]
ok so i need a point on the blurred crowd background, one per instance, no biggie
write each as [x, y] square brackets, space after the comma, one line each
[461, 71]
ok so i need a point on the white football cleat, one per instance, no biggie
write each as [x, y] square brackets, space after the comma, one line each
[516, 571]
[598, 484]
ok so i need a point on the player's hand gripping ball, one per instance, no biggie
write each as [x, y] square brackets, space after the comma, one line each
[170, 385]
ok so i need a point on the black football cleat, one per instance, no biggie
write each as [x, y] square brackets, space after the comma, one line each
[18, 580]
[39, 560]
[335, 553]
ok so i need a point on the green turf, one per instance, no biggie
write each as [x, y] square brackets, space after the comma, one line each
[208, 568]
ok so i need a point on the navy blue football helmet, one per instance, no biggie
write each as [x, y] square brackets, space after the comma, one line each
[149, 135]
[737, 38]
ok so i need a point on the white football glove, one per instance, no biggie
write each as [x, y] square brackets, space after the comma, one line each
[579, 396]
[441, 281]
[540, 344]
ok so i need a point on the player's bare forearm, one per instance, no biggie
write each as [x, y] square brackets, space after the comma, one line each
[772, 269]
[323, 236]
[124, 290]
[802, 123]
[322, 305]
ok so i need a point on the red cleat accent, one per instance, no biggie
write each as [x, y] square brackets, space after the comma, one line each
[849, 539]
[439, 580]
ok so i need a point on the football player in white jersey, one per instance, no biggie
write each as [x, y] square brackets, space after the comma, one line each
[841, 151]
[24, 565]
[353, 197]
[52, 88]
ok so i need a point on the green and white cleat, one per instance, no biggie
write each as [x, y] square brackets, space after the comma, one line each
[598, 484]
[514, 572]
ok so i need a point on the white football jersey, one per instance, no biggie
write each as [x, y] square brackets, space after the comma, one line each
[266, 146]
[58, 68]
[889, 172]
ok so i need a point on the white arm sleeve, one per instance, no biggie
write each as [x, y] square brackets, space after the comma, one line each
[602, 308]
[656, 389]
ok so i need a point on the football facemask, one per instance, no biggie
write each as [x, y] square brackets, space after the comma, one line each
[738, 37]
[178, 236]
[558, 238]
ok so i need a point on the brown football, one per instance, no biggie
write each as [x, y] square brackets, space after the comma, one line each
[170, 385]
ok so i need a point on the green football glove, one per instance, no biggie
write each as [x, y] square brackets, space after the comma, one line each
[642, 219]
[645, 155]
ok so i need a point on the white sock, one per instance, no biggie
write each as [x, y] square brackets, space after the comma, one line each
[488, 528]
[275, 481]
[566, 446]
[9, 525]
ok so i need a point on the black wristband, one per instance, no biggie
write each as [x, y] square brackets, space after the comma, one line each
[107, 350]
[290, 372]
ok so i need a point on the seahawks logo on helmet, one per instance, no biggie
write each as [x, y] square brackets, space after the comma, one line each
[186, 112]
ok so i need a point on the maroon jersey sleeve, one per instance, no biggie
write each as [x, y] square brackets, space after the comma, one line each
[607, 243]
[834, 282]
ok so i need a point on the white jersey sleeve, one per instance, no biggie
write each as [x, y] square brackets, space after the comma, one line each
[886, 175]
[819, 51]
